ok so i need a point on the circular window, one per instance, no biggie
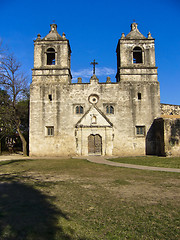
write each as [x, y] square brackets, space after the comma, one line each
[93, 98]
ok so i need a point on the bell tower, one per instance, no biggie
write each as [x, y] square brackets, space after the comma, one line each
[50, 76]
[137, 73]
[52, 58]
[136, 57]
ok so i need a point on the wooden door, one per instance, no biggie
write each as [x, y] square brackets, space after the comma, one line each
[95, 144]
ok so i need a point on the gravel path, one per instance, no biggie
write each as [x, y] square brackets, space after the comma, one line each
[102, 160]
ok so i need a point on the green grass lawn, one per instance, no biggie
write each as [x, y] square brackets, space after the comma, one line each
[77, 200]
[167, 162]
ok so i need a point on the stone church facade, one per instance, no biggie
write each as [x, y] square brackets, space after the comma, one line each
[95, 118]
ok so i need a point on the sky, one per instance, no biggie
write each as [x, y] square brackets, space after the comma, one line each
[93, 29]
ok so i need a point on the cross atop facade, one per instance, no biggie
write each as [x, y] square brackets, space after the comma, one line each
[94, 63]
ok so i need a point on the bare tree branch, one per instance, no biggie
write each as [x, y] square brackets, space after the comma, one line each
[14, 81]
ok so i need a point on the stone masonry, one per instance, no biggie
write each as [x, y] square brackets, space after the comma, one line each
[93, 118]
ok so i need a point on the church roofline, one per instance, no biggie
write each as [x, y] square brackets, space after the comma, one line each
[170, 104]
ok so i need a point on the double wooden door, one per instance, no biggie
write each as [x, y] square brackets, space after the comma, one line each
[94, 144]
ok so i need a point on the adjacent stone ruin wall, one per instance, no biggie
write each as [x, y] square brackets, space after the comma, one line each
[171, 121]
[172, 136]
[167, 136]
[170, 109]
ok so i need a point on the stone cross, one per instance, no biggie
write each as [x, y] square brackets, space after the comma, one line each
[94, 64]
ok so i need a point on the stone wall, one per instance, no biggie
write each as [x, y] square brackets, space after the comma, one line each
[167, 136]
[118, 139]
[169, 109]
[57, 129]
[172, 136]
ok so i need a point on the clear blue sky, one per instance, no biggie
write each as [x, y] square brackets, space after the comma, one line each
[93, 29]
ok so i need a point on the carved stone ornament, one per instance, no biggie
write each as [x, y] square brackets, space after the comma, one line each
[93, 98]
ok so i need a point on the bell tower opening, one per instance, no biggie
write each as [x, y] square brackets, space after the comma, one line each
[51, 56]
[137, 55]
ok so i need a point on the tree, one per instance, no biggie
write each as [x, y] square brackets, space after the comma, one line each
[13, 80]
[6, 121]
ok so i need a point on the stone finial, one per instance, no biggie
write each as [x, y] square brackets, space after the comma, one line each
[94, 79]
[108, 80]
[64, 35]
[53, 27]
[149, 35]
[79, 80]
[122, 35]
[38, 37]
[134, 26]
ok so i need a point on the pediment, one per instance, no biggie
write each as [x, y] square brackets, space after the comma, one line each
[94, 117]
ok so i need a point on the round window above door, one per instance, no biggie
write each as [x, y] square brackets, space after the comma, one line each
[93, 98]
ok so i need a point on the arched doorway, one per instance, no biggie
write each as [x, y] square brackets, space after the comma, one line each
[95, 144]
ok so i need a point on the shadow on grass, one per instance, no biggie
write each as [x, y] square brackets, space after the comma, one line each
[7, 162]
[27, 214]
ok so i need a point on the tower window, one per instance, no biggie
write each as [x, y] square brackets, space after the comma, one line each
[137, 55]
[139, 96]
[79, 110]
[140, 130]
[50, 97]
[50, 131]
[50, 56]
[109, 109]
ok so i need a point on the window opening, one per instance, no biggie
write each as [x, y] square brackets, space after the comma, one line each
[79, 110]
[107, 109]
[137, 55]
[50, 56]
[140, 130]
[110, 109]
[50, 131]
[139, 96]
[50, 97]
